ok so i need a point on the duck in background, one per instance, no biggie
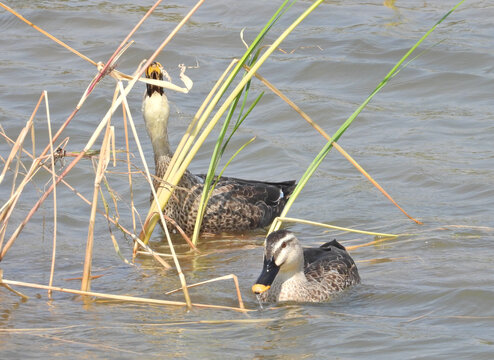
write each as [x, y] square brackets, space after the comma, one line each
[236, 205]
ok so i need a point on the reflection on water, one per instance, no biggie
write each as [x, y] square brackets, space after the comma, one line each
[426, 138]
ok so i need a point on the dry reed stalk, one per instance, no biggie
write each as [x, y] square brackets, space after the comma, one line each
[152, 253]
[119, 297]
[225, 277]
[328, 138]
[20, 139]
[104, 159]
[85, 344]
[383, 260]
[21, 295]
[110, 231]
[155, 197]
[73, 190]
[374, 242]
[101, 125]
[17, 145]
[53, 177]
[126, 133]
[13, 12]
[9, 206]
[307, 222]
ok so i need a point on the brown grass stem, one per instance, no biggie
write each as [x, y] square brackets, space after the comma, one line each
[20, 139]
[91, 141]
[328, 138]
[13, 12]
[308, 222]
[82, 197]
[370, 243]
[152, 253]
[118, 297]
[155, 196]
[104, 158]
[126, 135]
[53, 177]
[225, 277]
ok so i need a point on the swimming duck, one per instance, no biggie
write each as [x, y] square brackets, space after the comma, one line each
[236, 205]
[293, 273]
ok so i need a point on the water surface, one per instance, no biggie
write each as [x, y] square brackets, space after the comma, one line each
[426, 138]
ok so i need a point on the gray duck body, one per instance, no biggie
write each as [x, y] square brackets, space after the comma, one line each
[303, 274]
[235, 205]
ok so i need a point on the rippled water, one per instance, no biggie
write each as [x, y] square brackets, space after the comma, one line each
[426, 138]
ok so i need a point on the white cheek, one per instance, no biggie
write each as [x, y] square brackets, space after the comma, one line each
[280, 260]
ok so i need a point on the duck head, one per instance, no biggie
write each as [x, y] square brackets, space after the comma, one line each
[155, 72]
[283, 256]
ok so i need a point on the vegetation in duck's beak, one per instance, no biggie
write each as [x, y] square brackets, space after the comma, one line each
[268, 274]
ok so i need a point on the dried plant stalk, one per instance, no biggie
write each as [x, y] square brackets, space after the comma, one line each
[328, 138]
[101, 125]
[155, 197]
[104, 158]
[119, 297]
[53, 177]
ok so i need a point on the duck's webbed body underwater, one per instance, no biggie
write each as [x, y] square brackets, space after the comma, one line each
[293, 273]
[236, 205]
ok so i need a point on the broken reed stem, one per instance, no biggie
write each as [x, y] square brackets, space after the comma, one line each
[53, 179]
[126, 133]
[73, 189]
[13, 12]
[155, 197]
[225, 277]
[100, 126]
[307, 222]
[328, 138]
[370, 243]
[117, 52]
[20, 139]
[104, 158]
[119, 297]
[152, 253]
[9, 206]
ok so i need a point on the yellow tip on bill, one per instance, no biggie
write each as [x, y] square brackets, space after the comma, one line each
[259, 288]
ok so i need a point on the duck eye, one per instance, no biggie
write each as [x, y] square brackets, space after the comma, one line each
[283, 245]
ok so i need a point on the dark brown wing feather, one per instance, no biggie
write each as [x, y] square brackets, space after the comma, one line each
[331, 266]
[235, 205]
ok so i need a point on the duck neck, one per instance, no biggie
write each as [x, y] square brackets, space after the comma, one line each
[156, 112]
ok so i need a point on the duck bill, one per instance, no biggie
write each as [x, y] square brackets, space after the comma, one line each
[268, 274]
[154, 72]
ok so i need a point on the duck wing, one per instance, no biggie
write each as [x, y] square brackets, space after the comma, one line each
[269, 191]
[331, 266]
[238, 205]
